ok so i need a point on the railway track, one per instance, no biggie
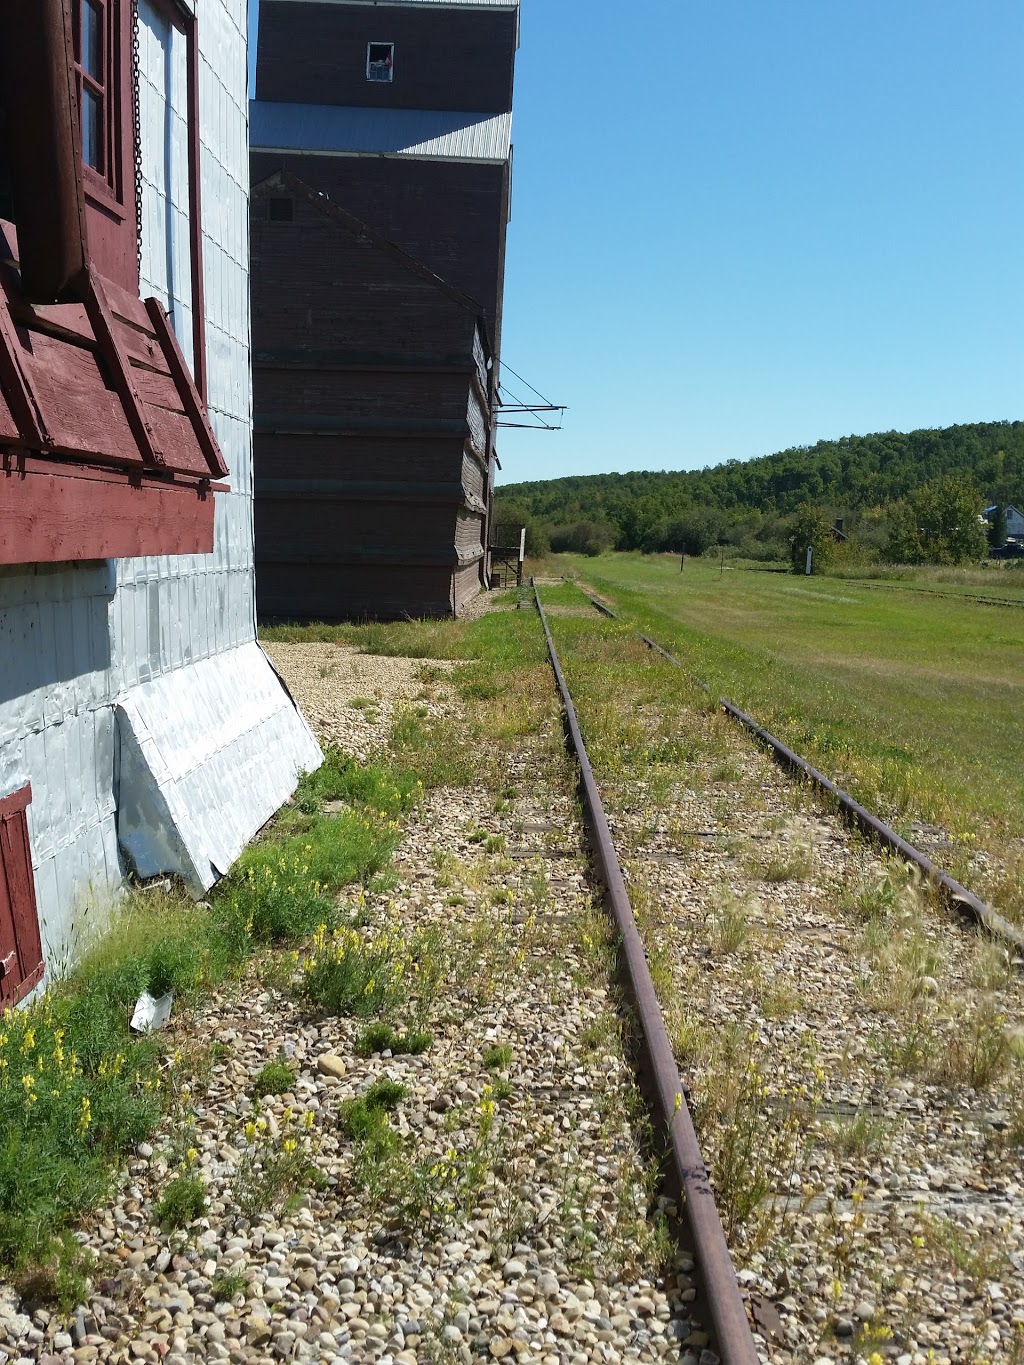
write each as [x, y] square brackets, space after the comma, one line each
[986, 599]
[859, 816]
[855, 1070]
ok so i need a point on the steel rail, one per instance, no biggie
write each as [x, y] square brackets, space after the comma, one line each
[877, 829]
[855, 813]
[731, 1328]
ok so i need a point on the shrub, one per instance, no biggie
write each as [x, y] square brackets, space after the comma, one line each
[360, 974]
[276, 1078]
[383, 1038]
[182, 1202]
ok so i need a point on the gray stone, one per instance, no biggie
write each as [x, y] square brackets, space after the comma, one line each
[331, 1065]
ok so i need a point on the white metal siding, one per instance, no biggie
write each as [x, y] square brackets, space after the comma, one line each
[150, 656]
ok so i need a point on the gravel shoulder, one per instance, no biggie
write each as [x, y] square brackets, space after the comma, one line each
[515, 1217]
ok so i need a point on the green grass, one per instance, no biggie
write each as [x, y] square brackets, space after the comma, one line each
[911, 702]
[78, 1091]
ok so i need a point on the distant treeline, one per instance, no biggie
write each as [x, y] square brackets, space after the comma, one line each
[874, 483]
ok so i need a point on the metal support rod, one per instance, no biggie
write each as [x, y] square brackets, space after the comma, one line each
[731, 1327]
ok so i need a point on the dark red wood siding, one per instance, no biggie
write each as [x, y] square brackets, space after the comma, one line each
[316, 54]
[21, 950]
[450, 216]
[370, 392]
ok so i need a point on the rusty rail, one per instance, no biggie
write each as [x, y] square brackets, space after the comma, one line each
[855, 813]
[729, 1322]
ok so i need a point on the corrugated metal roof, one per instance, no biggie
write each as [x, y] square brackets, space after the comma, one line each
[344, 130]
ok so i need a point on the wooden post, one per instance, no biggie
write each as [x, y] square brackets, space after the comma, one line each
[682, 562]
[810, 560]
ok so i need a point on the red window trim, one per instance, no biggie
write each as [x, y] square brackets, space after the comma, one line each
[110, 195]
[23, 961]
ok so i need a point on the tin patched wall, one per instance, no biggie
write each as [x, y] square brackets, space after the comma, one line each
[133, 695]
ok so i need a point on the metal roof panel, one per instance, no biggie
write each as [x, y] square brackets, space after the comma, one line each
[338, 130]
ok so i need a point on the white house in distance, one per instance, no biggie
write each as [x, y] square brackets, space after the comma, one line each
[142, 729]
[1014, 521]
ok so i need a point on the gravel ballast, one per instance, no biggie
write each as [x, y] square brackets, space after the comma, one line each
[559, 1255]
[855, 1054]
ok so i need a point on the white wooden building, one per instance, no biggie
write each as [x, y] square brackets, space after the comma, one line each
[142, 728]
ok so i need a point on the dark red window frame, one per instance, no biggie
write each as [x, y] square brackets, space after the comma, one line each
[21, 948]
[95, 64]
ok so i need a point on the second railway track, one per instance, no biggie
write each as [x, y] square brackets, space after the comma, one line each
[855, 1057]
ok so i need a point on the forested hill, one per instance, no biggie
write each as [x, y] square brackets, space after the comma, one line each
[848, 475]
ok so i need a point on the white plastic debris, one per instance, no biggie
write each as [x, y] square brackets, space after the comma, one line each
[151, 1013]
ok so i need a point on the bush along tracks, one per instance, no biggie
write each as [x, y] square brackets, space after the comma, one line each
[391, 1117]
[855, 1056]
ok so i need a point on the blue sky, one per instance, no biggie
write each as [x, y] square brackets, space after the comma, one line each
[739, 226]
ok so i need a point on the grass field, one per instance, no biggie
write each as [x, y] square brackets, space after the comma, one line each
[913, 702]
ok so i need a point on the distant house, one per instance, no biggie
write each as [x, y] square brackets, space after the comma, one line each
[1014, 520]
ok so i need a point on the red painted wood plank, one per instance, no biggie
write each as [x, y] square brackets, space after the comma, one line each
[120, 371]
[51, 517]
[17, 801]
[9, 430]
[12, 378]
[17, 859]
[82, 415]
[68, 321]
[194, 406]
[21, 949]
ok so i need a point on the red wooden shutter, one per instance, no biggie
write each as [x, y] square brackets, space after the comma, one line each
[21, 949]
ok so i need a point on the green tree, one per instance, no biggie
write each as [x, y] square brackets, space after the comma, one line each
[583, 538]
[509, 520]
[810, 529]
[693, 531]
[940, 523]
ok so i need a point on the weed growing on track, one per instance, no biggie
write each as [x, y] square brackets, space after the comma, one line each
[730, 925]
[382, 1037]
[183, 1201]
[227, 1285]
[361, 973]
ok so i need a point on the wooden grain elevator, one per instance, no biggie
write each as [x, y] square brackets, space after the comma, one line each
[381, 162]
